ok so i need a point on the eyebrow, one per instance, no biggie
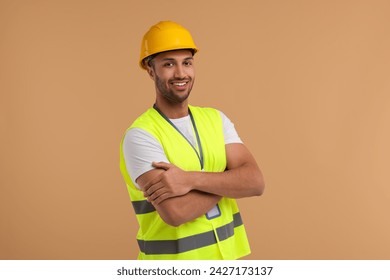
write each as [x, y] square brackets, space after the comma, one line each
[170, 59]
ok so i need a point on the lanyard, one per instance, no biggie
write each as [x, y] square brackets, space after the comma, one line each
[200, 153]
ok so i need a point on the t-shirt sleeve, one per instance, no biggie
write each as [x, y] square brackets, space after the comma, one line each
[229, 131]
[140, 149]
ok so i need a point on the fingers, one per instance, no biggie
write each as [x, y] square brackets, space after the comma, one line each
[157, 193]
[155, 180]
[161, 165]
[160, 199]
[158, 196]
[153, 188]
[162, 187]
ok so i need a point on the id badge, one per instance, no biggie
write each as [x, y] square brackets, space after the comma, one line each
[213, 213]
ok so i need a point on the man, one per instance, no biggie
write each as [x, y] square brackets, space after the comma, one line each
[184, 166]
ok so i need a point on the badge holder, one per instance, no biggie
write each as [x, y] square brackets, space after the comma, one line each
[213, 213]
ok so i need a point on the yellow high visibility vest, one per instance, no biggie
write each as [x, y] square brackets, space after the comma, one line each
[221, 237]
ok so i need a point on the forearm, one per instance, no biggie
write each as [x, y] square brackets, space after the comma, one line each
[181, 209]
[242, 181]
[242, 178]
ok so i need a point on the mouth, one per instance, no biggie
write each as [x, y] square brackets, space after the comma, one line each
[180, 85]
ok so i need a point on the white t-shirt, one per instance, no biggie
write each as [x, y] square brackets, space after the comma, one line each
[140, 148]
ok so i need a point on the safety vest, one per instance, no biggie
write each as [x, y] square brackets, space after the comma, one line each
[204, 238]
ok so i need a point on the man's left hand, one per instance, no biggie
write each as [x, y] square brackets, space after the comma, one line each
[173, 182]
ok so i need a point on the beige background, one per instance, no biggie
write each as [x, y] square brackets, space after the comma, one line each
[306, 83]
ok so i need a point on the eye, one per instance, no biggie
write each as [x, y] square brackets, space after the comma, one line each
[168, 64]
[187, 63]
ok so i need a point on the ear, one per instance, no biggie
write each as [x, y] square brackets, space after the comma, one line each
[150, 71]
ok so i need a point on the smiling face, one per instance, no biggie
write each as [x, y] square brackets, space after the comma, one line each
[174, 75]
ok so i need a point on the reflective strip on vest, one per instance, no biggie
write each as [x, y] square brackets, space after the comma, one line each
[191, 242]
[143, 207]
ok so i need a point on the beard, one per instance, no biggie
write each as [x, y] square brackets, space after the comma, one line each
[170, 95]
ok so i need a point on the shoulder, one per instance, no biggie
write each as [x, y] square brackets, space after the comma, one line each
[144, 119]
[137, 135]
[208, 110]
[202, 109]
[151, 122]
[212, 112]
[206, 113]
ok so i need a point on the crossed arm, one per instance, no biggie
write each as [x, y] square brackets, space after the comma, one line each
[181, 196]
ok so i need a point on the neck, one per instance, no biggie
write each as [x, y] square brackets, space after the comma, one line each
[173, 111]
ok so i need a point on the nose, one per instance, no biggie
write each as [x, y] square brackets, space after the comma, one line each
[180, 72]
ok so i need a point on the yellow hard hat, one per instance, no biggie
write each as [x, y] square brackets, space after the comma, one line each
[165, 36]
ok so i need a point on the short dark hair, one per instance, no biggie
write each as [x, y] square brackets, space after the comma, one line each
[148, 60]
